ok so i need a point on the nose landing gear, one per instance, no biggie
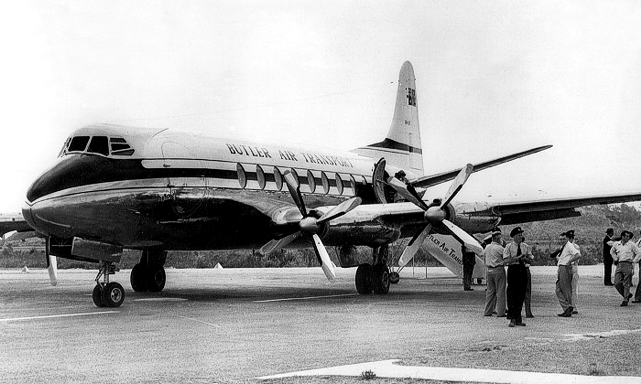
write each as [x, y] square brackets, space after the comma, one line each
[106, 294]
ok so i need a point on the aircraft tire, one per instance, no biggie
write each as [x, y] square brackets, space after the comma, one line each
[394, 277]
[363, 279]
[138, 278]
[97, 296]
[114, 295]
[156, 278]
[380, 279]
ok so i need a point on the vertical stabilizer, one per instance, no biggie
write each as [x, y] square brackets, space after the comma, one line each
[402, 145]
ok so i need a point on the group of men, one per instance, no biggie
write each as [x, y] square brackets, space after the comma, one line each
[516, 286]
[623, 253]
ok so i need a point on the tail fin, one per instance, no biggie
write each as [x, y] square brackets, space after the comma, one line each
[402, 146]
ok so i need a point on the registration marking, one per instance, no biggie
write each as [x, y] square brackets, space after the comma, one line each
[305, 298]
[55, 316]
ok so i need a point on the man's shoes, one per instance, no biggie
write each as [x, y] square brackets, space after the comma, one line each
[501, 316]
[521, 324]
[636, 301]
[575, 312]
[512, 324]
[624, 303]
[567, 312]
[490, 315]
[468, 289]
[529, 315]
[608, 284]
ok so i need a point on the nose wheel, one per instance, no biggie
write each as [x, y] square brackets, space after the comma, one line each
[105, 293]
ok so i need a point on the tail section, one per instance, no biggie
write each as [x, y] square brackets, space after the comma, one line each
[402, 145]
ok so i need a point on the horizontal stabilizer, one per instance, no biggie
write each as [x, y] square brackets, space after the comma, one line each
[428, 181]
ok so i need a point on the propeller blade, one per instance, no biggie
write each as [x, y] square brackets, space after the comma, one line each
[414, 246]
[275, 244]
[321, 252]
[404, 191]
[457, 184]
[464, 238]
[294, 190]
[52, 268]
[340, 209]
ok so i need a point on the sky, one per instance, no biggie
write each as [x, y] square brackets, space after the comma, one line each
[493, 78]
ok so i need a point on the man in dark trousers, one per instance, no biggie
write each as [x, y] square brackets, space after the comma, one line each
[607, 258]
[469, 260]
[514, 255]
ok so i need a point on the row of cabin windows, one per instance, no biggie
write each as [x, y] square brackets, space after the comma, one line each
[97, 144]
[261, 178]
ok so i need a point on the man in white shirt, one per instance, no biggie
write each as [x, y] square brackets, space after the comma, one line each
[637, 292]
[495, 294]
[569, 254]
[624, 255]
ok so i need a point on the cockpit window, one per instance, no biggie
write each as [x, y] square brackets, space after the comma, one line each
[78, 144]
[99, 145]
[120, 147]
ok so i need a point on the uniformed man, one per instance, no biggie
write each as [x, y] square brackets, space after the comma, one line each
[607, 258]
[566, 257]
[513, 256]
[624, 254]
[495, 293]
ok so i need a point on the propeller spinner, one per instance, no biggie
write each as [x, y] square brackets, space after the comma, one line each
[310, 225]
[435, 216]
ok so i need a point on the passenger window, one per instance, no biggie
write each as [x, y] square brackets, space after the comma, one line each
[99, 145]
[339, 184]
[311, 181]
[260, 176]
[242, 177]
[78, 144]
[278, 178]
[325, 182]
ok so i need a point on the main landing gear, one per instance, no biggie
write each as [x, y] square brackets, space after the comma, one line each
[374, 277]
[149, 274]
[106, 294]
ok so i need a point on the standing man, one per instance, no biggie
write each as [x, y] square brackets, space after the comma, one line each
[513, 256]
[637, 292]
[607, 258]
[495, 293]
[568, 255]
[527, 261]
[469, 260]
[624, 254]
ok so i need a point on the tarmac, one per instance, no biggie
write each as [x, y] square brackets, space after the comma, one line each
[246, 325]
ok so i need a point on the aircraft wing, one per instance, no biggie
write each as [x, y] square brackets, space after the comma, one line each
[431, 180]
[557, 208]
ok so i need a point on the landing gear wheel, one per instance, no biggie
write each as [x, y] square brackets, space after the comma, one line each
[362, 280]
[138, 278]
[97, 296]
[156, 278]
[394, 277]
[114, 295]
[380, 279]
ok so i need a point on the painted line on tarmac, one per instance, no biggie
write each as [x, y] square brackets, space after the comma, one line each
[387, 369]
[55, 316]
[305, 298]
[199, 321]
[162, 299]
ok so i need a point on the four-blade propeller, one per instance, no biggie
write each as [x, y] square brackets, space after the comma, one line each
[311, 225]
[435, 215]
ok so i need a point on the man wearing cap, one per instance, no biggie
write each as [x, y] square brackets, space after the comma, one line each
[607, 258]
[513, 256]
[624, 254]
[569, 253]
[495, 293]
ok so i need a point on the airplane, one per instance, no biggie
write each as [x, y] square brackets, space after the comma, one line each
[116, 187]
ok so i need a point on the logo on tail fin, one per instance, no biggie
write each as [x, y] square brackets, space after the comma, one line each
[411, 96]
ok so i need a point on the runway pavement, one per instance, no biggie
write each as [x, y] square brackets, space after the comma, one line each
[234, 325]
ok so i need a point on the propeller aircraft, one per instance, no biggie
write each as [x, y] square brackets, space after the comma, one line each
[117, 187]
